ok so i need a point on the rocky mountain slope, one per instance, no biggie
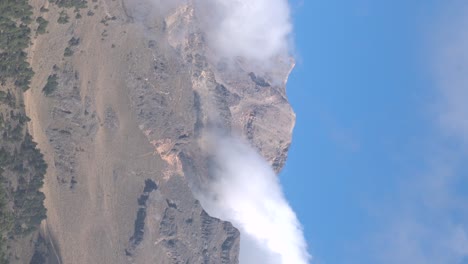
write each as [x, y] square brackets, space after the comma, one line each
[122, 94]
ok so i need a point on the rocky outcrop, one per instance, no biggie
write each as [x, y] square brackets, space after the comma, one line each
[120, 132]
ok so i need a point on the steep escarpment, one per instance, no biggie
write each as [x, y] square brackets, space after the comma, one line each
[122, 94]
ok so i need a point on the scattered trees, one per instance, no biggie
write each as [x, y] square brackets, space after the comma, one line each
[14, 19]
[21, 206]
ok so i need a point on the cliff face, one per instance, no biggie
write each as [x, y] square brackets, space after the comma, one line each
[132, 90]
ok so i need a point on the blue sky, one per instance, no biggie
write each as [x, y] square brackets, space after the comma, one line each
[376, 171]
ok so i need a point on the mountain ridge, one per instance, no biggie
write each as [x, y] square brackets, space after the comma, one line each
[135, 89]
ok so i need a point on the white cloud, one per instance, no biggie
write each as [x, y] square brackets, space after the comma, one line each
[428, 221]
[246, 192]
[410, 239]
[257, 30]
[449, 53]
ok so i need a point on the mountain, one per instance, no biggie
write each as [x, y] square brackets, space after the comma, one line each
[121, 97]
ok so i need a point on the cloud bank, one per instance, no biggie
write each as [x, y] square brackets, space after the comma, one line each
[257, 30]
[246, 191]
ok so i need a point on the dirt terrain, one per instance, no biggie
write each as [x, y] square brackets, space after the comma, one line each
[120, 132]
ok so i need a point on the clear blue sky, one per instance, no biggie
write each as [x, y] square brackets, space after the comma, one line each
[376, 170]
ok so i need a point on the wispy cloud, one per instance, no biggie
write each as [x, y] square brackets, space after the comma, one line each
[428, 222]
[257, 30]
[246, 191]
[450, 68]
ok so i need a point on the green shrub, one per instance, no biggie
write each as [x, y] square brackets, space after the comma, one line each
[74, 41]
[63, 18]
[70, 3]
[51, 85]
[68, 52]
[41, 29]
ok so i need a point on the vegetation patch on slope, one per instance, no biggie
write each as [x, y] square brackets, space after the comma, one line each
[22, 167]
[70, 3]
[15, 17]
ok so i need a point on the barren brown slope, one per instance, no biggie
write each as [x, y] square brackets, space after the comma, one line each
[120, 132]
